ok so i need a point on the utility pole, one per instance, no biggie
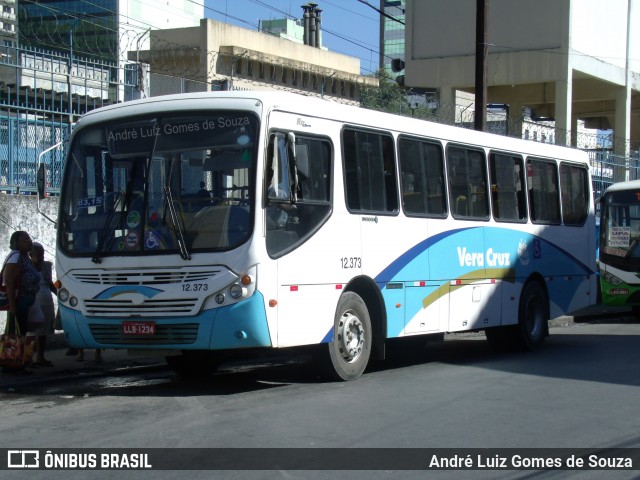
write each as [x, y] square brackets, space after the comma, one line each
[480, 117]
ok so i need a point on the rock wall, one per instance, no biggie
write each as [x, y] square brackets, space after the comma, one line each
[20, 212]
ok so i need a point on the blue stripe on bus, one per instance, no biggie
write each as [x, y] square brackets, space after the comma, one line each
[410, 255]
[418, 264]
[442, 258]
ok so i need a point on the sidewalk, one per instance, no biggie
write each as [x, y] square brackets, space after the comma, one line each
[591, 314]
[64, 366]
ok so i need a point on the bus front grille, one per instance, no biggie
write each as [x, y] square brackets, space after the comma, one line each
[179, 334]
[145, 277]
[149, 307]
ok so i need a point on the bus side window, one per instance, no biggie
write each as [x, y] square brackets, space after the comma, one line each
[370, 172]
[507, 187]
[575, 190]
[542, 180]
[422, 173]
[467, 183]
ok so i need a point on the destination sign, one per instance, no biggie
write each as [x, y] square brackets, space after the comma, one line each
[177, 134]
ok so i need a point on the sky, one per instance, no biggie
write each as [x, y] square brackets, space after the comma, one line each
[349, 26]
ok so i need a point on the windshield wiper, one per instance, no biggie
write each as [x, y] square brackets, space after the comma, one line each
[106, 229]
[177, 224]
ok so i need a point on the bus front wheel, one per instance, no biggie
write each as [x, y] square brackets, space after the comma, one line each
[348, 354]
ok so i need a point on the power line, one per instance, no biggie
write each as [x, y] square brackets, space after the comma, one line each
[88, 51]
[384, 14]
[74, 15]
[288, 15]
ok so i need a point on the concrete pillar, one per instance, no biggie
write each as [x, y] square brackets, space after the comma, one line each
[622, 129]
[564, 85]
[515, 119]
[447, 110]
[574, 130]
[564, 93]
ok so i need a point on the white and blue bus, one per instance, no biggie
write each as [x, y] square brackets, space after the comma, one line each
[199, 224]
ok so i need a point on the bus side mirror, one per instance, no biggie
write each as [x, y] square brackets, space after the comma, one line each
[42, 174]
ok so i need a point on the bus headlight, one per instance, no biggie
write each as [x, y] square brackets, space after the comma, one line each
[63, 295]
[73, 301]
[610, 278]
[236, 291]
[243, 286]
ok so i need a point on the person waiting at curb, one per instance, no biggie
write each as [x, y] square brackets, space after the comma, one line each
[43, 306]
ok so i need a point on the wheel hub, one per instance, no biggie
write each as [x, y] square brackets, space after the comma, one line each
[350, 336]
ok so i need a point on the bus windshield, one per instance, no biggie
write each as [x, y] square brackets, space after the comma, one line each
[161, 184]
[620, 225]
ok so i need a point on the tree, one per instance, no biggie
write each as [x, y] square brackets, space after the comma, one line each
[392, 98]
[387, 97]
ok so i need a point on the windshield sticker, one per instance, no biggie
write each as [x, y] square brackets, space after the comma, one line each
[133, 219]
[618, 252]
[89, 202]
[154, 218]
[132, 240]
[620, 237]
[151, 240]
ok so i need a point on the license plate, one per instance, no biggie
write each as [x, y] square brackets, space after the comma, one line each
[138, 328]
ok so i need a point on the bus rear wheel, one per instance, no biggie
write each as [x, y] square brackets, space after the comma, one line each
[532, 327]
[348, 354]
[194, 363]
[533, 317]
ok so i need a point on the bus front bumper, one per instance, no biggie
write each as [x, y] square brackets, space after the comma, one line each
[241, 325]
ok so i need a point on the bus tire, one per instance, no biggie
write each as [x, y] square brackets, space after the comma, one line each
[194, 363]
[533, 317]
[348, 354]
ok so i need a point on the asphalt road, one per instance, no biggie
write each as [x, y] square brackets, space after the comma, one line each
[579, 391]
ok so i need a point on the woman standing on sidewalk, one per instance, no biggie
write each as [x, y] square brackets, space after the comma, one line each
[21, 280]
[43, 308]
